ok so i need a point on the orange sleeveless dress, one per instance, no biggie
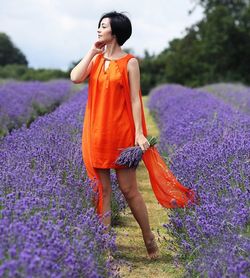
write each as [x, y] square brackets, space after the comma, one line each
[109, 119]
[109, 125]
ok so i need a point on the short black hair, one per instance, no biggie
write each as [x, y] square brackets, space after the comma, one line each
[120, 25]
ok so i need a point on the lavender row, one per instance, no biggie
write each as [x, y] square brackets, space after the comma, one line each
[206, 145]
[237, 95]
[48, 227]
[22, 102]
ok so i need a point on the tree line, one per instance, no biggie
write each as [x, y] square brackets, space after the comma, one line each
[215, 49]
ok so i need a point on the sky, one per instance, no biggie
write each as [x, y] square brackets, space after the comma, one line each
[55, 33]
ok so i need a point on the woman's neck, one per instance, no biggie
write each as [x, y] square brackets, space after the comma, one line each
[113, 50]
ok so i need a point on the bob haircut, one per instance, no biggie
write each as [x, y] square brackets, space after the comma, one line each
[120, 25]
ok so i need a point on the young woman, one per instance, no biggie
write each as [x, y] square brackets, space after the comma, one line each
[113, 76]
[114, 119]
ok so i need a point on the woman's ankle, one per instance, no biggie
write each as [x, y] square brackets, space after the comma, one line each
[148, 236]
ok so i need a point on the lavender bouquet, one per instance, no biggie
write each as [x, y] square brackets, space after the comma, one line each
[132, 156]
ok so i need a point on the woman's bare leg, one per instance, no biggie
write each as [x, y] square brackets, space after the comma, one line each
[128, 184]
[106, 182]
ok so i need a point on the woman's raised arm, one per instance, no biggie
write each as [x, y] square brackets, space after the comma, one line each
[81, 71]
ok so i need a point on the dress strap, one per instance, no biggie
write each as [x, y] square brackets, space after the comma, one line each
[128, 57]
[96, 62]
[125, 59]
[122, 63]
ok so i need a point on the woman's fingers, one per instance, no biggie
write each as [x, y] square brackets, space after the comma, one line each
[100, 44]
[146, 145]
[142, 142]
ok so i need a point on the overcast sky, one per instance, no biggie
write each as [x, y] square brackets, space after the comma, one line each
[53, 33]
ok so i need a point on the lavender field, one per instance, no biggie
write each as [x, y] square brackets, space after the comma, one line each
[48, 227]
[206, 144]
[22, 102]
[238, 95]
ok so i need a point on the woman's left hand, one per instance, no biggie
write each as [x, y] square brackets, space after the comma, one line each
[141, 140]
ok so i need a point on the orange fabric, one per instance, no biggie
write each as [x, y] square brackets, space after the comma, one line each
[109, 125]
[168, 191]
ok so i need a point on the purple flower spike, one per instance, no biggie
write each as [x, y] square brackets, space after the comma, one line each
[132, 156]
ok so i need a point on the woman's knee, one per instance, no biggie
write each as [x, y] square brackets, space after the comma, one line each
[127, 182]
[131, 194]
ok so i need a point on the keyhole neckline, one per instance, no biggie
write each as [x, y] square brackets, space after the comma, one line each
[106, 70]
[105, 58]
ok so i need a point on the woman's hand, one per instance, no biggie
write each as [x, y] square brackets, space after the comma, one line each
[98, 47]
[141, 140]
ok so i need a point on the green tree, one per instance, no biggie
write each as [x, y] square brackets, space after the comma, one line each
[217, 48]
[235, 7]
[9, 53]
[152, 69]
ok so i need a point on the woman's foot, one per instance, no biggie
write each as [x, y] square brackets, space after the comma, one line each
[152, 248]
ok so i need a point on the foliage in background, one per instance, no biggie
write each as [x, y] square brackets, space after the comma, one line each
[214, 49]
[24, 73]
[9, 53]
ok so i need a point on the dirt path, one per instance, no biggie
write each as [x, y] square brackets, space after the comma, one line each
[129, 238]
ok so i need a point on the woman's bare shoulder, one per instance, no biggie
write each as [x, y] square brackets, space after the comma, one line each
[133, 64]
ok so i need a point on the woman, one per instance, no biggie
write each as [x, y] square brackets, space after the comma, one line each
[107, 122]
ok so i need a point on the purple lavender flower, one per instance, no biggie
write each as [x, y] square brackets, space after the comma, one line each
[238, 95]
[47, 221]
[132, 156]
[22, 102]
[206, 138]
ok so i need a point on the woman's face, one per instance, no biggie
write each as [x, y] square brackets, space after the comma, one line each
[105, 31]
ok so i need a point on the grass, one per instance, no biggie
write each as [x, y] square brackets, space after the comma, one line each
[132, 251]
